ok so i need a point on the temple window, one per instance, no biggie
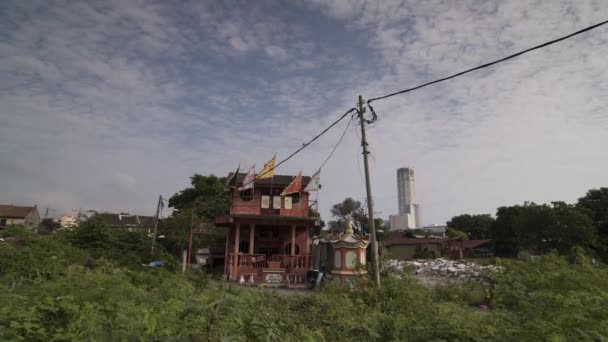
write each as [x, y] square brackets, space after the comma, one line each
[246, 195]
[351, 259]
[337, 259]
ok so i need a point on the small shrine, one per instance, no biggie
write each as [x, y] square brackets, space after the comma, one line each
[349, 261]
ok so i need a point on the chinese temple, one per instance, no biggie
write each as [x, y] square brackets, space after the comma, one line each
[269, 230]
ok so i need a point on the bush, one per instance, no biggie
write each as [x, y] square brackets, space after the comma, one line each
[547, 298]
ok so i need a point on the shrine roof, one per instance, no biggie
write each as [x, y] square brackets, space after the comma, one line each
[276, 180]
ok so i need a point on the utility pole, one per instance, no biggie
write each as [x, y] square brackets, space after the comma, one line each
[370, 204]
[160, 200]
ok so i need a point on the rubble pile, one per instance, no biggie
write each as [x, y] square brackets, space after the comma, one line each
[438, 268]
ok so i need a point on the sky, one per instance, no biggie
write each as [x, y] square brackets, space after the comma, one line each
[106, 104]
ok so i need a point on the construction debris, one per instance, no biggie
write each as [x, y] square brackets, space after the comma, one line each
[433, 272]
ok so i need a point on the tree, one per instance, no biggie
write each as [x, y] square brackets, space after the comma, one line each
[350, 209]
[208, 196]
[49, 225]
[595, 202]
[503, 237]
[475, 226]
[541, 228]
[453, 232]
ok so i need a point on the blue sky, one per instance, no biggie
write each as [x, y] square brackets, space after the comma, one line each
[106, 104]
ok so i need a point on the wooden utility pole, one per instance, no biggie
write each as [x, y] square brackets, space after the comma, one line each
[160, 200]
[370, 204]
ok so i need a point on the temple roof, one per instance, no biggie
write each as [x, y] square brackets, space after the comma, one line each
[276, 180]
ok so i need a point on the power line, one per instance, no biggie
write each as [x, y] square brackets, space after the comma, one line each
[338, 143]
[303, 146]
[485, 65]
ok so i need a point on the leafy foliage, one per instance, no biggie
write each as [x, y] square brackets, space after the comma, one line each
[476, 227]
[547, 298]
[595, 202]
[208, 196]
[350, 209]
[542, 228]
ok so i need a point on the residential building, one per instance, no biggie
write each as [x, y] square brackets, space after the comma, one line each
[409, 210]
[12, 214]
[69, 221]
[402, 248]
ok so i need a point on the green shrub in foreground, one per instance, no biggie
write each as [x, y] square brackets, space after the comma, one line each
[547, 298]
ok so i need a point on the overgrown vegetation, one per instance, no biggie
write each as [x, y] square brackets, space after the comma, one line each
[51, 292]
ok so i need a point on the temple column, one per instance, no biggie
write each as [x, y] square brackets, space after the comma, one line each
[293, 240]
[308, 253]
[237, 238]
[251, 238]
[227, 254]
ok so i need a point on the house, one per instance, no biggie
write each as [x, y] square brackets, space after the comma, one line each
[126, 220]
[453, 248]
[68, 221]
[269, 236]
[478, 248]
[12, 214]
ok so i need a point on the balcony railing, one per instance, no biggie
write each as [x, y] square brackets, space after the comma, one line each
[290, 262]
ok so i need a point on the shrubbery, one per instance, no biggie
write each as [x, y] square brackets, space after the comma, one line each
[546, 298]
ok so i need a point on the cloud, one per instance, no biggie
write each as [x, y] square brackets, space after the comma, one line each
[276, 52]
[124, 182]
[107, 105]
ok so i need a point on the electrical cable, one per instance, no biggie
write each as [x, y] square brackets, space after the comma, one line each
[482, 66]
[337, 144]
[303, 146]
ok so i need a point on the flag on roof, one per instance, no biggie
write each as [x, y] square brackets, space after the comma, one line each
[232, 178]
[248, 180]
[268, 170]
[314, 183]
[295, 186]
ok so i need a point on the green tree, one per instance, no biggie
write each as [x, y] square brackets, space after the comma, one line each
[48, 225]
[559, 226]
[475, 226]
[540, 228]
[208, 196]
[350, 209]
[503, 237]
[453, 232]
[596, 202]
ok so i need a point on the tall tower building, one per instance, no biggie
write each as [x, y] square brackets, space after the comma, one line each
[406, 197]
[406, 189]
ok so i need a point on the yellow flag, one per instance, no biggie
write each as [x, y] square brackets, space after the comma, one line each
[268, 170]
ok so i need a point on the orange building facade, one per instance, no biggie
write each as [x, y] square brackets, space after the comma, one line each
[269, 235]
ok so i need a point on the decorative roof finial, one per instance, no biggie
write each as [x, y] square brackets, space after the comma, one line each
[349, 228]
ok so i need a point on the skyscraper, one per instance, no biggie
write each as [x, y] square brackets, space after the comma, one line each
[406, 197]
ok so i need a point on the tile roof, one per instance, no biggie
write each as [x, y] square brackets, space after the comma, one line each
[13, 211]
